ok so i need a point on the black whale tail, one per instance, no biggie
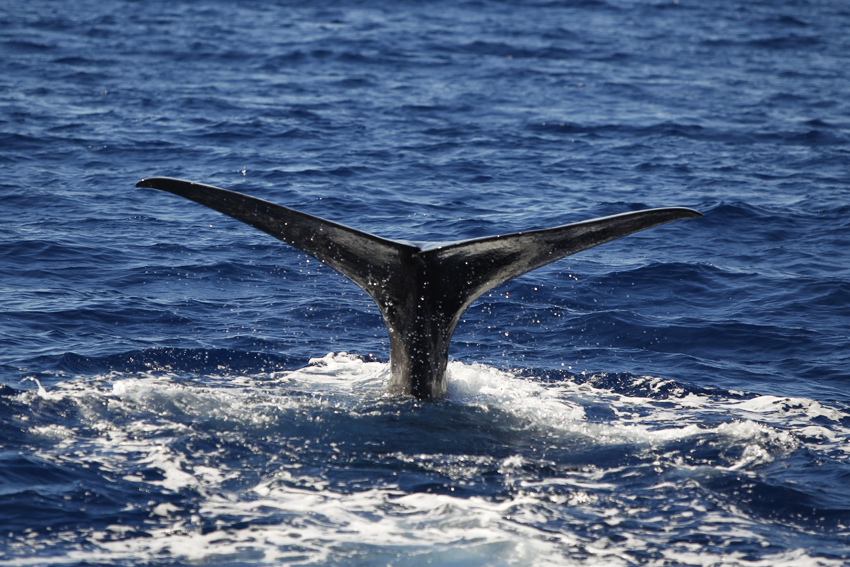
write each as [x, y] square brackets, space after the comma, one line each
[421, 290]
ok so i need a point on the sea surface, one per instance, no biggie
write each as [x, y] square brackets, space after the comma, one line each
[177, 388]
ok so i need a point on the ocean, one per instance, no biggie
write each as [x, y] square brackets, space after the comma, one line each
[177, 388]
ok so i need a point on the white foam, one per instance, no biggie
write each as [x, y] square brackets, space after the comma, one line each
[488, 387]
[291, 517]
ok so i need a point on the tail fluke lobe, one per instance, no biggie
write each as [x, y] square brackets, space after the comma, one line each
[481, 264]
[363, 258]
[421, 291]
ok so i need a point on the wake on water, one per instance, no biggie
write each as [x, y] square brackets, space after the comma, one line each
[320, 466]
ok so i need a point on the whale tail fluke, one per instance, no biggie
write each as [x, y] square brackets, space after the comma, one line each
[420, 289]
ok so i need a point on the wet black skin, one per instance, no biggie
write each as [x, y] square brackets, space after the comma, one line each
[421, 289]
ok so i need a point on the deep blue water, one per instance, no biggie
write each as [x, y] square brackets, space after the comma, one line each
[677, 397]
